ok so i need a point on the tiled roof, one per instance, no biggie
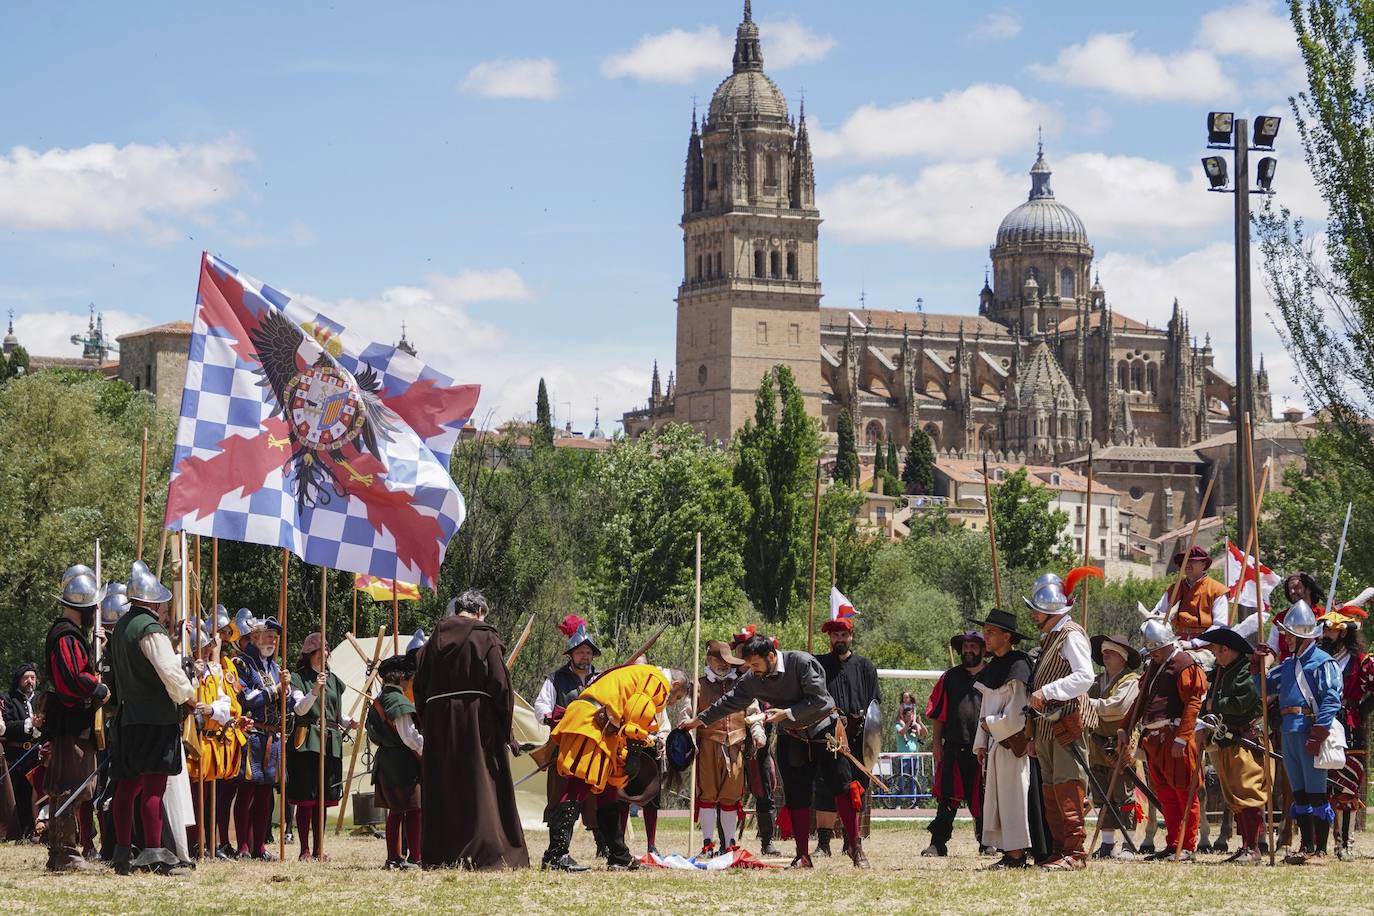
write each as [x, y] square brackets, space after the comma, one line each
[893, 320]
[1142, 453]
[969, 470]
[171, 327]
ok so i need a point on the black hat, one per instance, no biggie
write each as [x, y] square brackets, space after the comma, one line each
[1002, 620]
[1132, 655]
[680, 749]
[402, 664]
[956, 642]
[1225, 636]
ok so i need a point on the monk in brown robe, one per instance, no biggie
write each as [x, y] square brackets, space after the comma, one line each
[464, 701]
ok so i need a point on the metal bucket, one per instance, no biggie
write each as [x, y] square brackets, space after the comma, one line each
[365, 813]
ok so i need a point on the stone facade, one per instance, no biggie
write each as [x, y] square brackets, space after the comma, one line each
[154, 359]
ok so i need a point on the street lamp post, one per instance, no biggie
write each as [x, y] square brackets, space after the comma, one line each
[1225, 132]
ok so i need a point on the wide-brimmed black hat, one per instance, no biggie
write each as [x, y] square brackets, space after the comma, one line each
[956, 642]
[1002, 620]
[1225, 636]
[1132, 655]
[403, 665]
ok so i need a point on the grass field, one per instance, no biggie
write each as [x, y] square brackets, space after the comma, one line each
[900, 882]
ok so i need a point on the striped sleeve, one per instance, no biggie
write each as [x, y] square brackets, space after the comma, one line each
[69, 662]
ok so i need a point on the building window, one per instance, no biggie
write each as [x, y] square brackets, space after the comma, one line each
[774, 265]
[1152, 378]
[1077, 545]
[762, 333]
[698, 267]
[148, 377]
[882, 515]
[1066, 283]
[1137, 376]
[701, 375]
[758, 263]
[1102, 548]
[794, 335]
[770, 171]
[1102, 517]
[718, 272]
[1078, 515]
[713, 182]
[711, 333]
[1123, 375]
[791, 265]
[873, 432]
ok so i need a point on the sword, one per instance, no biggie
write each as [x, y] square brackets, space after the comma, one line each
[1130, 773]
[1340, 553]
[1214, 724]
[1077, 756]
[14, 766]
[838, 742]
[77, 794]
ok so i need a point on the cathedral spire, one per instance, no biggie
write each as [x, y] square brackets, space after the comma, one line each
[1040, 176]
[748, 53]
[655, 388]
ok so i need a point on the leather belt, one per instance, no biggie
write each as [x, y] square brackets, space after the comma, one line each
[1294, 711]
[1160, 723]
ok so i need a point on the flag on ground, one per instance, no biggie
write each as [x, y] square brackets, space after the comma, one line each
[1236, 564]
[379, 589]
[840, 606]
[297, 433]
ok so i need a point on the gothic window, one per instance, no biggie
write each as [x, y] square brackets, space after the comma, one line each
[933, 432]
[775, 265]
[770, 171]
[1137, 376]
[718, 272]
[791, 265]
[1123, 375]
[873, 432]
[1152, 378]
[698, 267]
[714, 182]
[1066, 283]
[758, 263]
[1065, 431]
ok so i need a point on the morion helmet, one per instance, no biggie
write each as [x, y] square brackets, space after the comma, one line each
[144, 586]
[1299, 621]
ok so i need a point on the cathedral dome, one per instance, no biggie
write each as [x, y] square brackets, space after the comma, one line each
[748, 93]
[1041, 218]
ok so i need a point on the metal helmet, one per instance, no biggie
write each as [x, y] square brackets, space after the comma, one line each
[80, 591]
[221, 617]
[80, 569]
[1299, 621]
[244, 622]
[1048, 597]
[113, 605]
[1157, 634]
[417, 641]
[144, 586]
[207, 633]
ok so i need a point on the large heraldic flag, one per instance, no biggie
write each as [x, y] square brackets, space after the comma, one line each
[296, 433]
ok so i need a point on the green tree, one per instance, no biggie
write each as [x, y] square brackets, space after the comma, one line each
[775, 466]
[890, 465]
[1325, 296]
[918, 473]
[1030, 535]
[879, 459]
[543, 417]
[16, 364]
[847, 453]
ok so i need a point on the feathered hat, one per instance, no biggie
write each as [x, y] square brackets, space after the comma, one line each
[575, 628]
[1052, 595]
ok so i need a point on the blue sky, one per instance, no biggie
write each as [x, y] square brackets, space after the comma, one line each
[507, 178]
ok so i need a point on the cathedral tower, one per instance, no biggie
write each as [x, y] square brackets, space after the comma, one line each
[750, 293]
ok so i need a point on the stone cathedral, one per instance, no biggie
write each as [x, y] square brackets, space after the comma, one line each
[1041, 370]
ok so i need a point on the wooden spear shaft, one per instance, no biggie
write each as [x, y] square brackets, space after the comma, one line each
[212, 817]
[1088, 537]
[200, 766]
[285, 686]
[696, 681]
[354, 628]
[323, 710]
[395, 621]
[359, 711]
[992, 533]
[142, 493]
[815, 543]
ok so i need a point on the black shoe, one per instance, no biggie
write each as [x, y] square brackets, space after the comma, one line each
[934, 850]
[623, 865]
[1008, 862]
[263, 856]
[1166, 853]
[1204, 847]
[801, 862]
[823, 841]
[123, 860]
[290, 838]
[563, 863]
[768, 849]
[1105, 851]
[226, 853]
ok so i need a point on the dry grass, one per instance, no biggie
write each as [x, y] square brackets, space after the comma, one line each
[900, 882]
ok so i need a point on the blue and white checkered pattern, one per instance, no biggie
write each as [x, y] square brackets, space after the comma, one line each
[224, 398]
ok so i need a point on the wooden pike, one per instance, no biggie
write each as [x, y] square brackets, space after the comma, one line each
[200, 767]
[358, 712]
[323, 710]
[992, 533]
[815, 543]
[696, 667]
[214, 603]
[1087, 538]
[520, 643]
[142, 494]
[285, 689]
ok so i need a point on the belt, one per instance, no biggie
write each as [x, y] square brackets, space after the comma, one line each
[461, 693]
[15, 744]
[1160, 723]
[1295, 711]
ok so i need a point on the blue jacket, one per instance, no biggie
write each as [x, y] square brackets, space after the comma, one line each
[255, 677]
[1323, 680]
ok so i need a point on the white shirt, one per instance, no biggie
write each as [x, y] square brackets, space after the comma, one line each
[157, 648]
[1078, 653]
[1221, 616]
[410, 735]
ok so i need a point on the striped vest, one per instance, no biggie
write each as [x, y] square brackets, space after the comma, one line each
[1051, 667]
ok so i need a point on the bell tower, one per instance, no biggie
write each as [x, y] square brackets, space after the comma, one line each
[750, 292]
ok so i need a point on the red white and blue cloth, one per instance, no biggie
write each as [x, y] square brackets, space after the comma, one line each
[237, 457]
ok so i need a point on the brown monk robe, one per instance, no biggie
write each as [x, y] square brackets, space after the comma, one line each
[464, 702]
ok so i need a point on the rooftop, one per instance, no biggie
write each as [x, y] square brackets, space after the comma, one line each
[914, 322]
[969, 470]
[170, 328]
[1142, 453]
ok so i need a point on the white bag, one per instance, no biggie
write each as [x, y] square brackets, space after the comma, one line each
[1331, 755]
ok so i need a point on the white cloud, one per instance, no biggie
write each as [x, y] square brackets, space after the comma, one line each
[959, 204]
[681, 56]
[111, 188]
[1111, 62]
[981, 120]
[998, 25]
[498, 352]
[507, 78]
[1255, 29]
[1203, 281]
[49, 333]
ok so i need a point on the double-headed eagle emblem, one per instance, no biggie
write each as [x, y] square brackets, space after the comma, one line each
[331, 415]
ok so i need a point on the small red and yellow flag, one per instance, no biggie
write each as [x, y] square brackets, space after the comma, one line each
[379, 589]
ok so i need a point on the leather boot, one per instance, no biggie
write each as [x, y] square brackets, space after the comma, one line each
[1072, 796]
[618, 856]
[561, 821]
[765, 821]
[1055, 818]
[600, 843]
[856, 853]
[1321, 827]
[823, 841]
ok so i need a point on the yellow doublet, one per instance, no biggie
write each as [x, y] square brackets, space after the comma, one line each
[633, 697]
[221, 746]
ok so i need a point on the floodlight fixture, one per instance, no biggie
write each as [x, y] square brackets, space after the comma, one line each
[1215, 169]
[1219, 127]
[1264, 173]
[1266, 131]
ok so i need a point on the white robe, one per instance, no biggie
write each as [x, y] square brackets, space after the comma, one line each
[1006, 824]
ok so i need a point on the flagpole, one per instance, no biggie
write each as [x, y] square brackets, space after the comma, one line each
[1088, 537]
[200, 764]
[815, 543]
[360, 709]
[354, 630]
[395, 621]
[285, 689]
[324, 710]
[214, 603]
[696, 683]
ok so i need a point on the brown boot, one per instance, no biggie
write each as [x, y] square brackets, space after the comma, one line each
[856, 854]
[1070, 796]
[1055, 818]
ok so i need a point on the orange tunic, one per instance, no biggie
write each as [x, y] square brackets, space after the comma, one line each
[632, 697]
[1195, 607]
